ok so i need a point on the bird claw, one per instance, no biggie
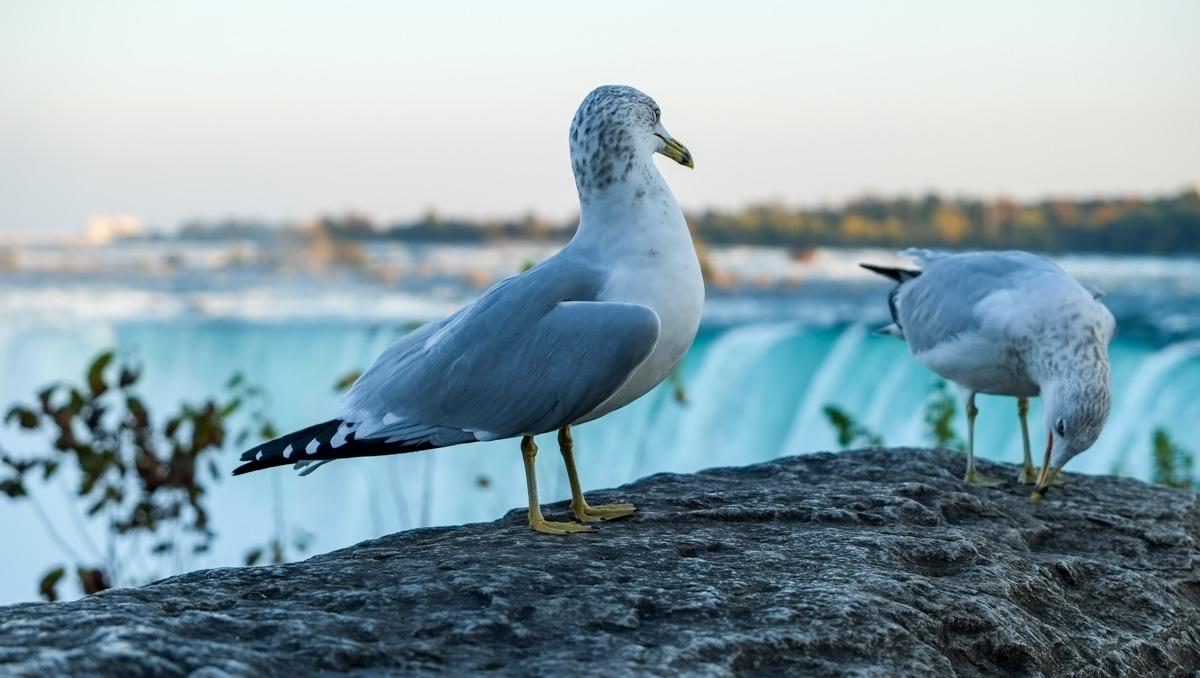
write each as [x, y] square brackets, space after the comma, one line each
[981, 480]
[602, 512]
[1028, 475]
[551, 527]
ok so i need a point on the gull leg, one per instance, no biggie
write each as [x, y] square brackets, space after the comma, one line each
[972, 476]
[536, 522]
[1028, 473]
[579, 506]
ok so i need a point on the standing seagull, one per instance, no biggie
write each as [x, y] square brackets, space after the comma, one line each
[587, 331]
[1009, 323]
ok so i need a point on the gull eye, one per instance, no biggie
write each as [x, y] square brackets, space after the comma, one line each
[1060, 427]
[657, 115]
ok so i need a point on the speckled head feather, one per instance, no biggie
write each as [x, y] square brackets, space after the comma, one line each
[1077, 404]
[613, 135]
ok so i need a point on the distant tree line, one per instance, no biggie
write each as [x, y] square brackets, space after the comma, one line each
[1162, 225]
[430, 227]
[1156, 225]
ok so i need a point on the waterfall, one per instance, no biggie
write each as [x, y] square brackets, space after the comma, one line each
[1145, 400]
[754, 391]
[807, 425]
[718, 422]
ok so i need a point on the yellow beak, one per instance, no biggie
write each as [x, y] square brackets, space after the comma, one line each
[677, 152]
[1046, 476]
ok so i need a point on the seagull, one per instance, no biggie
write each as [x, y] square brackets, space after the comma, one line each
[1015, 324]
[587, 331]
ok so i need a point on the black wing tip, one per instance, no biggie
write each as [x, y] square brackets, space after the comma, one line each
[270, 454]
[253, 463]
[898, 274]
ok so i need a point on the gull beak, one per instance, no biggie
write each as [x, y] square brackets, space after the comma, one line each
[1046, 476]
[676, 151]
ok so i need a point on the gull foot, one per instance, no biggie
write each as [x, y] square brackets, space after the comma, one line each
[1028, 475]
[976, 478]
[550, 527]
[595, 514]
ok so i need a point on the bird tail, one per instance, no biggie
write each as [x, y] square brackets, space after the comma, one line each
[891, 330]
[900, 275]
[1096, 292]
[924, 257]
[310, 447]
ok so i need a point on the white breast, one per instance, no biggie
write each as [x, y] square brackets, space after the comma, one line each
[660, 271]
[981, 363]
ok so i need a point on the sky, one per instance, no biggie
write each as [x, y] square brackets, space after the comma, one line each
[284, 110]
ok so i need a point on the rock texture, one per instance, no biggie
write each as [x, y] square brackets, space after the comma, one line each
[876, 562]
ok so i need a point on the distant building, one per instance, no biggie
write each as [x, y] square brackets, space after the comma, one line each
[105, 228]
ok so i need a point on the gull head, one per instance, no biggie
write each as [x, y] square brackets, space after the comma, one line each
[1076, 408]
[613, 136]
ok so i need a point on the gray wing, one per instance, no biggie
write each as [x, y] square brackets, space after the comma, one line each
[940, 304]
[534, 353]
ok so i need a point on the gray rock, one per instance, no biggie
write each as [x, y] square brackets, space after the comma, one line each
[872, 563]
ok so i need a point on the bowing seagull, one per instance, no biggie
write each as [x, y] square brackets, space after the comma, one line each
[1014, 324]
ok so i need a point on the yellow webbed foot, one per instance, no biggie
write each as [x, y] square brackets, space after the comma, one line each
[550, 527]
[981, 480]
[595, 514]
[1028, 475]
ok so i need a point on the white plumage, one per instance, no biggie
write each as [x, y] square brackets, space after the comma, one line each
[1015, 324]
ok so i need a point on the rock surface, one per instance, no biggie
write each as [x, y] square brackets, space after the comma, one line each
[875, 562]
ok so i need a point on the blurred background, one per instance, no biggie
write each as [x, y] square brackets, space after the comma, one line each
[212, 214]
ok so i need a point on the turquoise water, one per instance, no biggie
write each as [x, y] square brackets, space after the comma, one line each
[756, 382]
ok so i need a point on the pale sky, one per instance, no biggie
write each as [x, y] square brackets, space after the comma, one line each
[171, 110]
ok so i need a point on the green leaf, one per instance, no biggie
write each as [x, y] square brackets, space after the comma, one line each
[1173, 466]
[25, 417]
[98, 506]
[347, 380]
[138, 411]
[44, 397]
[253, 556]
[849, 431]
[13, 488]
[230, 407]
[129, 377]
[92, 580]
[19, 466]
[95, 372]
[77, 403]
[48, 587]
